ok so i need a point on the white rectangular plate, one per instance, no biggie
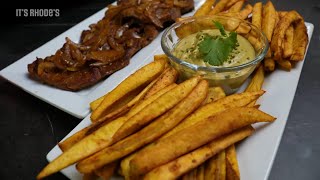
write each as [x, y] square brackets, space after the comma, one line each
[256, 153]
[74, 103]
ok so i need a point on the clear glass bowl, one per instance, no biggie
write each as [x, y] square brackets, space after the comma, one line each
[229, 78]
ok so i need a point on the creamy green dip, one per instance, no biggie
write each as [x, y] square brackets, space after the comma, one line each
[187, 49]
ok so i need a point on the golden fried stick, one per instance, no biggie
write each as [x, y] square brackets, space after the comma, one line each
[243, 29]
[106, 171]
[257, 14]
[284, 64]
[214, 108]
[205, 111]
[232, 167]
[148, 134]
[205, 8]
[288, 42]
[193, 137]
[101, 138]
[300, 41]
[269, 64]
[256, 82]
[198, 156]
[187, 29]
[269, 20]
[219, 7]
[138, 79]
[200, 172]
[119, 111]
[156, 108]
[279, 33]
[70, 141]
[214, 93]
[230, 4]
[244, 13]
[231, 26]
[236, 7]
[216, 167]
[169, 76]
[282, 13]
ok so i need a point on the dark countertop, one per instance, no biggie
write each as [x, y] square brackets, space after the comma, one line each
[29, 127]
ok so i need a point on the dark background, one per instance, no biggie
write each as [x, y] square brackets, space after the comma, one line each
[29, 127]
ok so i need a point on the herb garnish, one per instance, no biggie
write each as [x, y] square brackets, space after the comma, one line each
[216, 51]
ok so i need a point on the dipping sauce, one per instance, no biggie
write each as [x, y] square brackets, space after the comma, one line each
[214, 50]
[187, 49]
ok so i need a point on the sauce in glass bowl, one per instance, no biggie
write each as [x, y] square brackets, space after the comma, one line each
[188, 49]
[193, 49]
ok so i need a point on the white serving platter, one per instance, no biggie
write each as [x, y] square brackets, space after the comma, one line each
[255, 154]
[74, 103]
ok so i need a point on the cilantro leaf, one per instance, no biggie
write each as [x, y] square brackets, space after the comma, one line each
[205, 45]
[216, 51]
[220, 27]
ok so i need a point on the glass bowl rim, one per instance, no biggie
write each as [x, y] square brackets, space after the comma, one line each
[195, 67]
